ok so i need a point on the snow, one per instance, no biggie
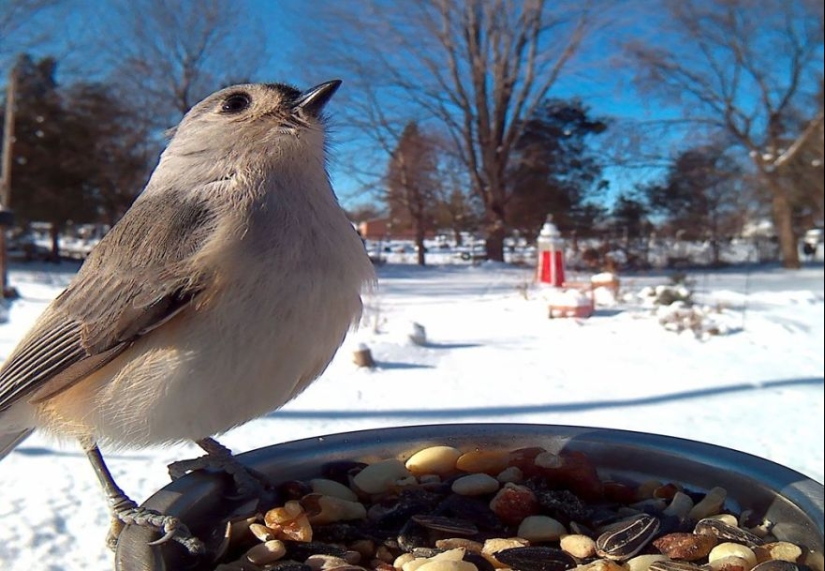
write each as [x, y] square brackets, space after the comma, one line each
[491, 355]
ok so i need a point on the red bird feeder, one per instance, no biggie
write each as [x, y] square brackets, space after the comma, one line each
[550, 254]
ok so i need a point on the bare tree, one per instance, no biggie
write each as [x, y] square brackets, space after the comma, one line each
[175, 52]
[803, 169]
[476, 67]
[412, 185]
[21, 25]
[458, 209]
[745, 66]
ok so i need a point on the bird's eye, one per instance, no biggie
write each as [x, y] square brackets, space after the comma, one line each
[236, 103]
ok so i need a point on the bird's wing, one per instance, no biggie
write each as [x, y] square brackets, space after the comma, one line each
[135, 279]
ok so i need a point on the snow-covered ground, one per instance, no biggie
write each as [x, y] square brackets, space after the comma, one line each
[491, 355]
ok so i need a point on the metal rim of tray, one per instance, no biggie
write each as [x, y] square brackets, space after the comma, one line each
[787, 497]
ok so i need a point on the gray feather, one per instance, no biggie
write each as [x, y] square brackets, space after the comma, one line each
[123, 290]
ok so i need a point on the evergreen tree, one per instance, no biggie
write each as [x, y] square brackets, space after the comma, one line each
[555, 171]
[78, 156]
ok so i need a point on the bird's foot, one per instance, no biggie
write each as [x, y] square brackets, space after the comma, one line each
[248, 482]
[126, 512]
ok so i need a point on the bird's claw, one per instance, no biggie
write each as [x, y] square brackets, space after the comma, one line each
[248, 482]
[171, 527]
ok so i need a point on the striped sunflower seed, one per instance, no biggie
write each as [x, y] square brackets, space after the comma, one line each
[726, 532]
[625, 539]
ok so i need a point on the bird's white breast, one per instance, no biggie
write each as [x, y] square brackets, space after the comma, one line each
[269, 324]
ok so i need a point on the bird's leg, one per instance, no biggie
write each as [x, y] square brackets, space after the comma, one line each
[124, 511]
[248, 482]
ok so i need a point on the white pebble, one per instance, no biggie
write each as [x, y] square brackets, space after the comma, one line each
[643, 562]
[475, 485]
[262, 532]
[513, 475]
[730, 549]
[448, 566]
[402, 560]
[434, 460]
[540, 528]
[381, 476]
[268, 552]
[778, 551]
[729, 563]
[578, 545]
[444, 559]
[680, 505]
[710, 505]
[332, 509]
[332, 488]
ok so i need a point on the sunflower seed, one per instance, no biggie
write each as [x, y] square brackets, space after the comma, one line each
[670, 565]
[626, 539]
[776, 565]
[726, 532]
[445, 524]
[536, 559]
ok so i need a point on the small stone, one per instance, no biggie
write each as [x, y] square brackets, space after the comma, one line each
[380, 477]
[730, 563]
[329, 509]
[439, 460]
[778, 551]
[578, 545]
[512, 474]
[485, 461]
[729, 549]
[711, 504]
[776, 565]
[261, 532]
[267, 552]
[537, 528]
[643, 562]
[328, 487]
[467, 545]
[475, 485]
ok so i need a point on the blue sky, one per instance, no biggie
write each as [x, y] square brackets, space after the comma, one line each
[598, 77]
[79, 28]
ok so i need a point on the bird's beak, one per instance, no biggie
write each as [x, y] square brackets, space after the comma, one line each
[312, 100]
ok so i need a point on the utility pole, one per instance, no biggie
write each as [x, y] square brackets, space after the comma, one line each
[6, 215]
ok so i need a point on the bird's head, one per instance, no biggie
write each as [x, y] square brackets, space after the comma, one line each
[246, 124]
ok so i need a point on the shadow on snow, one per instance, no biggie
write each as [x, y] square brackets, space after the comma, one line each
[549, 407]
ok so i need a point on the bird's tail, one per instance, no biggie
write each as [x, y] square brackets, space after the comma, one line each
[8, 441]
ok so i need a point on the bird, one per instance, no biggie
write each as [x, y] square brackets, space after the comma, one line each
[222, 293]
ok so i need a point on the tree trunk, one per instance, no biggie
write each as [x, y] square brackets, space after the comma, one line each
[783, 223]
[495, 242]
[54, 233]
[419, 244]
[457, 236]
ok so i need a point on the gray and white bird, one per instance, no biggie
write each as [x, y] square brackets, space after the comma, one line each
[222, 293]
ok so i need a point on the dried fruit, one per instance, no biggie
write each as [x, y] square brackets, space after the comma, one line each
[513, 503]
[685, 546]
[425, 515]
